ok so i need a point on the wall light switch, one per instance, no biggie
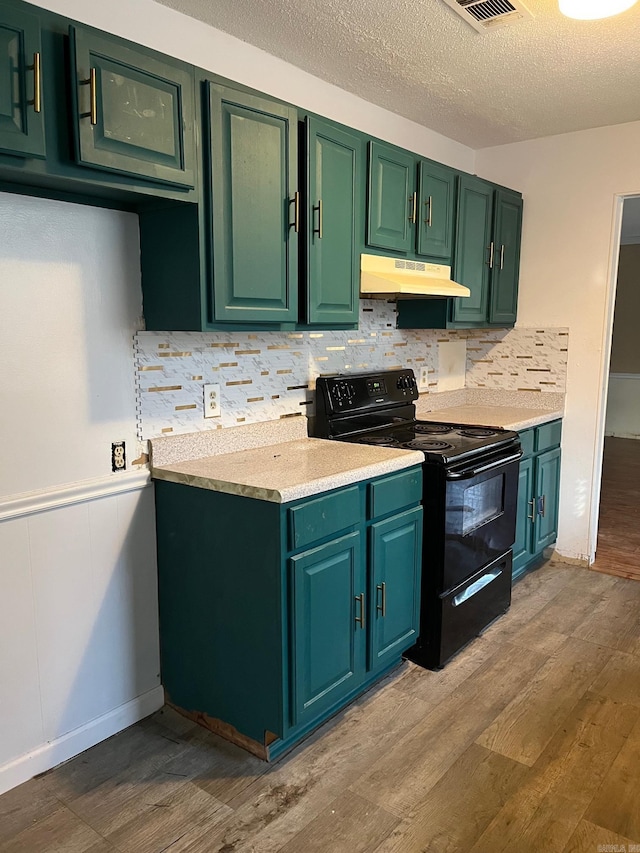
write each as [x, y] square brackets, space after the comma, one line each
[423, 379]
[212, 401]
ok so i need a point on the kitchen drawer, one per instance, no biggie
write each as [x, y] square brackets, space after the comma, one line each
[548, 436]
[395, 492]
[472, 605]
[321, 517]
[527, 440]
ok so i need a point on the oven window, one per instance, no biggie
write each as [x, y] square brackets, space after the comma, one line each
[482, 503]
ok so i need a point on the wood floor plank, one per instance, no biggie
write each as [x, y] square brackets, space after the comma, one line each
[275, 808]
[589, 838]
[140, 749]
[615, 622]
[401, 779]
[218, 767]
[543, 814]
[60, 832]
[24, 806]
[166, 819]
[525, 726]
[349, 823]
[620, 679]
[445, 822]
[616, 805]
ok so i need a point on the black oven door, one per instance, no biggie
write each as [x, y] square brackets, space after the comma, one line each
[480, 514]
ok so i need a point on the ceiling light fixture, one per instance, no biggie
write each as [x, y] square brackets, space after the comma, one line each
[590, 10]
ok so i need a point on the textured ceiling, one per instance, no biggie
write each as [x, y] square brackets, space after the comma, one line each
[419, 59]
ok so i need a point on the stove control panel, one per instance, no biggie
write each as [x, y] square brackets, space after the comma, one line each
[343, 394]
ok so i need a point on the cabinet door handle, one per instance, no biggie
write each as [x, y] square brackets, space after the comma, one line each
[490, 250]
[502, 256]
[542, 505]
[295, 201]
[318, 207]
[360, 619]
[531, 504]
[429, 204]
[37, 83]
[413, 201]
[382, 607]
[93, 97]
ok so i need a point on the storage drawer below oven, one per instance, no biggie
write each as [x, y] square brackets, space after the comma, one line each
[472, 605]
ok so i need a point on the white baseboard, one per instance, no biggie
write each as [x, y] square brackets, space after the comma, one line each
[73, 743]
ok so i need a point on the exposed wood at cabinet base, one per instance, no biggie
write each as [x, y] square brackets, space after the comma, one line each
[228, 732]
[529, 740]
[618, 549]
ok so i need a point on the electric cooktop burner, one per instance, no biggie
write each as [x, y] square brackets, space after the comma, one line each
[432, 429]
[428, 444]
[478, 432]
[386, 440]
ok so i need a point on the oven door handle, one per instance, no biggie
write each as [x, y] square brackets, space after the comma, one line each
[468, 473]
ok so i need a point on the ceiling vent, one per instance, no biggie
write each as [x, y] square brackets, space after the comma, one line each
[486, 14]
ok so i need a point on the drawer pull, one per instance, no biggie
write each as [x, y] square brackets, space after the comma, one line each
[531, 503]
[413, 200]
[382, 607]
[318, 207]
[429, 204]
[475, 587]
[542, 505]
[490, 249]
[360, 619]
[93, 97]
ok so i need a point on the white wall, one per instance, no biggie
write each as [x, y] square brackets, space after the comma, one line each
[570, 185]
[174, 34]
[78, 592]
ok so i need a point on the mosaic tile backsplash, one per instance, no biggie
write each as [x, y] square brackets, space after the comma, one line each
[269, 375]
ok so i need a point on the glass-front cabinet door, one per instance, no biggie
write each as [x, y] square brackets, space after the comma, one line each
[21, 113]
[134, 114]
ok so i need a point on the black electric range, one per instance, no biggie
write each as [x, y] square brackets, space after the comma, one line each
[470, 478]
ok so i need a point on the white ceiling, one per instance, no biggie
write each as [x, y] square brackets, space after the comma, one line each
[419, 59]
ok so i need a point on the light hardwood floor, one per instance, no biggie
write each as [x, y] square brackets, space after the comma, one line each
[528, 741]
[618, 549]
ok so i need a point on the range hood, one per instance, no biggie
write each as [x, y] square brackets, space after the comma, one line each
[392, 277]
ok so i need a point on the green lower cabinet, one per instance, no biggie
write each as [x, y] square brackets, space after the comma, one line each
[133, 113]
[271, 634]
[538, 495]
[21, 107]
[396, 560]
[329, 639]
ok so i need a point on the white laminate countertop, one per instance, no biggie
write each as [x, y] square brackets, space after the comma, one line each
[285, 472]
[497, 417]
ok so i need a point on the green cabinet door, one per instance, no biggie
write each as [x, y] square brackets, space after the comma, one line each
[472, 249]
[392, 199]
[21, 116]
[436, 208]
[255, 210]
[523, 545]
[506, 265]
[547, 488]
[133, 113]
[333, 223]
[328, 628]
[396, 559]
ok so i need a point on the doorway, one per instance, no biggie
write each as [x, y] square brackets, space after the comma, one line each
[618, 532]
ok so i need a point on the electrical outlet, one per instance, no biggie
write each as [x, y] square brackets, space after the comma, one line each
[212, 401]
[118, 456]
[423, 379]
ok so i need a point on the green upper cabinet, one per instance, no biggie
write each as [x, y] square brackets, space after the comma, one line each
[334, 163]
[473, 249]
[329, 625]
[21, 107]
[506, 258]
[396, 560]
[133, 113]
[392, 198]
[255, 208]
[436, 210]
